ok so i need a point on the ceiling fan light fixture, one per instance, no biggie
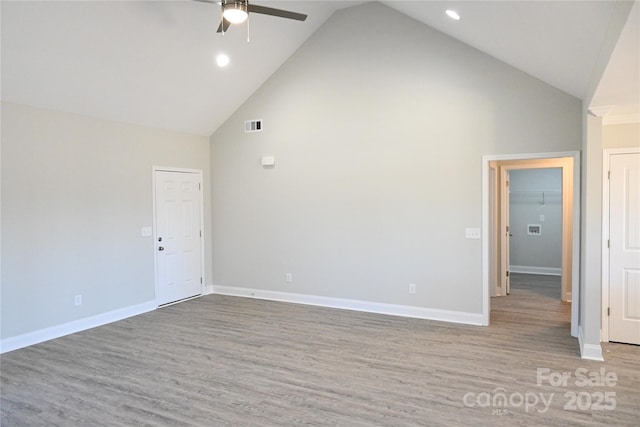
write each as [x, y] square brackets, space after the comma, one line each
[235, 12]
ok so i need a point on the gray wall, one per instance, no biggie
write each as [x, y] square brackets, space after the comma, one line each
[378, 125]
[590, 304]
[75, 193]
[537, 253]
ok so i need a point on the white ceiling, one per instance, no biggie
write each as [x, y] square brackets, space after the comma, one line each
[152, 63]
[619, 90]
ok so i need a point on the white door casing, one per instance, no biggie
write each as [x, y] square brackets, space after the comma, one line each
[570, 164]
[624, 248]
[568, 212]
[178, 234]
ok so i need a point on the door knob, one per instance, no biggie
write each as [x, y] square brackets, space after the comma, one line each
[160, 248]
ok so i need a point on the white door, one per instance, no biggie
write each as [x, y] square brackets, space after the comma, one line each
[178, 240]
[624, 252]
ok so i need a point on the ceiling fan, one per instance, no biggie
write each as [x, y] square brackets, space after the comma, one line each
[237, 11]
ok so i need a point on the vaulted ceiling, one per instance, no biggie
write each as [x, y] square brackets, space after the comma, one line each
[153, 63]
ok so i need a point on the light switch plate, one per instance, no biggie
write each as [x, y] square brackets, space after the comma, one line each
[472, 233]
[268, 161]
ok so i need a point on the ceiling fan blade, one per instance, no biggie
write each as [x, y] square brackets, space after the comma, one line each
[224, 26]
[276, 12]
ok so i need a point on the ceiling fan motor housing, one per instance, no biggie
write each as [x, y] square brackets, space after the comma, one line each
[235, 11]
[235, 4]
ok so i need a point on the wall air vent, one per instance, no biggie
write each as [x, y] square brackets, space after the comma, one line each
[253, 126]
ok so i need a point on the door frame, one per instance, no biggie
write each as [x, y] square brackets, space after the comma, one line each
[200, 174]
[488, 228]
[563, 163]
[606, 160]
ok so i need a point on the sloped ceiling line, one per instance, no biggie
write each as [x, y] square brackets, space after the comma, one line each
[153, 63]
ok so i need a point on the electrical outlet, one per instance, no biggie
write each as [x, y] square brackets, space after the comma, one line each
[289, 278]
[412, 288]
[78, 299]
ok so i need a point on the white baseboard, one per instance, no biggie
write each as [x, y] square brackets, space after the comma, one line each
[357, 305]
[35, 337]
[547, 271]
[207, 290]
[589, 351]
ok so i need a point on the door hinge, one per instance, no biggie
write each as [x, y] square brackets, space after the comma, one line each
[200, 233]
[608, 311]
[608, 244]
[506, 183]
[507, 228]
[507, 274]
[201, 280]
[609, 175]
[199, 186]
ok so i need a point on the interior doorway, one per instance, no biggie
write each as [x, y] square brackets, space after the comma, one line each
[532, 222]
[495, 219]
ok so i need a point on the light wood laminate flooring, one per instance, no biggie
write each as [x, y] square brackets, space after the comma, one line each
[227, 361]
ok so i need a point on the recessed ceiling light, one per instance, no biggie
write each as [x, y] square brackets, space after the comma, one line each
[452, 14]
[222, 60]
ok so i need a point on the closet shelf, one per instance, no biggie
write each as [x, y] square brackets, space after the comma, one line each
[544, 195]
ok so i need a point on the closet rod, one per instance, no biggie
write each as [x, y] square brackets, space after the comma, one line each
[542, 192]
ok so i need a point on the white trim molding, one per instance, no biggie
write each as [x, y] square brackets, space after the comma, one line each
[600, 111]
[589, 351]
[613, 115]
[42, 335]
[622, 119]
[356, 305]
